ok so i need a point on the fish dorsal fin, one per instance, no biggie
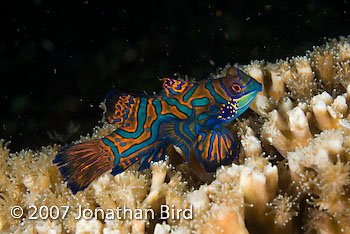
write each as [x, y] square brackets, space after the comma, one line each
[215, 147]
[118, 107]
[173, 87]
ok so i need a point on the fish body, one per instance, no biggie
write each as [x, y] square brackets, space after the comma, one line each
[191, 116]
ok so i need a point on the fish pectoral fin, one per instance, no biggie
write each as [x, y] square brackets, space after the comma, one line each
[177, 133]
[216, 147]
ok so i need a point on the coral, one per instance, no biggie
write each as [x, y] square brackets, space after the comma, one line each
[292, 174]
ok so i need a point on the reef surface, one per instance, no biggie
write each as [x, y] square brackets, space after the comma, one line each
[292, 174]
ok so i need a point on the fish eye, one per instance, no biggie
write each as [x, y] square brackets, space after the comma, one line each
[237, 88]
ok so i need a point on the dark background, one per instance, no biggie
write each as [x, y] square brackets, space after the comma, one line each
[58, 59]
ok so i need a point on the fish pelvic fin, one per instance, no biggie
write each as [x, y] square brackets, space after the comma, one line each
[82, 163]
[216, 147]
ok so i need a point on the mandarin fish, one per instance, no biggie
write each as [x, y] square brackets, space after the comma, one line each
[192, 116]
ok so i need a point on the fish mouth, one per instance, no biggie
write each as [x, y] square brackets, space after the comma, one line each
[250, 92]
[246, 100]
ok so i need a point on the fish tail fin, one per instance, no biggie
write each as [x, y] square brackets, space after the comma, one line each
[82, 163]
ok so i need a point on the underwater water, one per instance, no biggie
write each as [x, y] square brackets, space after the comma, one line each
[60, 58]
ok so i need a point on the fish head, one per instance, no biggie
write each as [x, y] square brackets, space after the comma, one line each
[241, 90]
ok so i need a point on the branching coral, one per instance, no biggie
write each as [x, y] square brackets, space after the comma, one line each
[310, 129]
[292, 174]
